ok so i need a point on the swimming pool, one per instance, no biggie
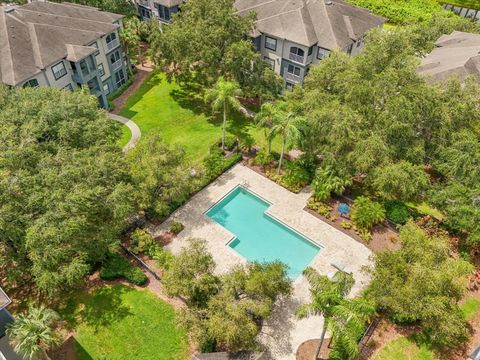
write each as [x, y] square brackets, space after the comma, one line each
[259, 236]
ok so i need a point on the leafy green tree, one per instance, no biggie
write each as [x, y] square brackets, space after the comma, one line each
[223, 97]
[131, 35]
[345, 318]
[402, 181]
[264, 120]
[196, 44]
[367, 213]
[33, 333]
[190, 274]
[287, 124]
[159, 174]
[64, 190]
[427, 260]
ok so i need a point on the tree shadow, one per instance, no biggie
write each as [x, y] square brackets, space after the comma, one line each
[71, 349]
[189, 96]
[102, 307]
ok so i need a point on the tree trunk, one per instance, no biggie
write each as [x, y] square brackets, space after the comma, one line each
[284, 142]
[322, 339]
[224, 125]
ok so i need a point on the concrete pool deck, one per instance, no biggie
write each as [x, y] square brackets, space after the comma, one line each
[282, 333]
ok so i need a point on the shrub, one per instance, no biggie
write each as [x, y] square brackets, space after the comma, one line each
[231, 142]
[366, 213]
[117, 266]
[296, 175]
[397, 212]
[176, 227]
[346, 224]
[140, 241]
[213, 165]
[246, 143]
[161, 256]
[365, 234]
[327, 180]
[263, 158]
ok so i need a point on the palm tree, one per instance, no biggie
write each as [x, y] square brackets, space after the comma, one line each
[264, 119]
[32, 333]
[344, 318]
[224, 96]
[288, 124]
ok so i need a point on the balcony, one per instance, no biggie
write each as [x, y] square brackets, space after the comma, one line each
[117, 65]
[296, 58]
[292, 77]
[113, 44]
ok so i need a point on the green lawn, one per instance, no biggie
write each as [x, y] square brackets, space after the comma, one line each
[180, 116]
[405, 348]
[119, 322]
[470, 308]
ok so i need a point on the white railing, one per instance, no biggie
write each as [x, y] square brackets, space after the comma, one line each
[296, 58]
[112, 44]
[117, 65]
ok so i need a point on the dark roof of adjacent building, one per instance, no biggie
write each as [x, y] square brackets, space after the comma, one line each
[330, 24]
[36, 35]
[456, 54]
[5, 319]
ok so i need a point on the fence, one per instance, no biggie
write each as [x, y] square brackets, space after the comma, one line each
[140, 261]
[464, 12]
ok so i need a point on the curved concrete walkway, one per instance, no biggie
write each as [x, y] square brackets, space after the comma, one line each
[134, 130]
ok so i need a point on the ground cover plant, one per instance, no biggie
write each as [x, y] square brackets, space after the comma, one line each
[405, 348]
[118, 322]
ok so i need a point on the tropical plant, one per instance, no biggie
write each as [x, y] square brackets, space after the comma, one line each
[264, 120]
[287, 124]
[327, 180]
[140, 241]
[131, 35]
[366, 212]
[345, 318]
[32, 334]
[224, 96]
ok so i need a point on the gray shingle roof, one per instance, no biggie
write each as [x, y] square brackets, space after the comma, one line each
[36, 35]
[331, 24]
[456, 54]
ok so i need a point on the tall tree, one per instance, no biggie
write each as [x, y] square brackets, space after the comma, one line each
[130, 38]
[423, 259]
[64, 189]
[223, 97]
[287, 124]
[33, 333]
[264, 120]
[345, 318]
[159, 174]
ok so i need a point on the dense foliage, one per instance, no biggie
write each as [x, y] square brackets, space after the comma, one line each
[117, 266]
[367, 213]
[423, 259]
[64, 192]
[224, 311]
[206, 40]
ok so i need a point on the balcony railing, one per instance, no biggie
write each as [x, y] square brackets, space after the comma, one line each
[112, 44]
[117, 65]
[296, 58]
[292, 77]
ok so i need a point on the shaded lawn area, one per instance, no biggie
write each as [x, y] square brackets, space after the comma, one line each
[405, 348]
[470, 308]
[471, 4]
[118, 322]
[180, 115]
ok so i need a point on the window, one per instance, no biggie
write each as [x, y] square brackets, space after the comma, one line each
[270, 43]
[296, 54]
[84, 68]
[292, 69]
[101, 69]
[322, 53]
[31, 83]
[270, 62]
[106, 89]
[111, 37]
[59, 70]
[68, 87]
[310, 50]
[289, 86]
[163, 12]
[119, 78]
[114, 57]
[145, 13]
[112, 41]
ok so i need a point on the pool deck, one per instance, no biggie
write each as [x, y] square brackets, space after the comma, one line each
[283, 333]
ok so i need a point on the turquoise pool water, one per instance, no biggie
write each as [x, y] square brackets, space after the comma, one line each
[260, 237]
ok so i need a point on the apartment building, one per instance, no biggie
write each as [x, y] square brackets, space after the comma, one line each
[62, 45]
[293, 34]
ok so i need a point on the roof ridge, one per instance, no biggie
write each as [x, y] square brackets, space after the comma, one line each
[303, 15]
[348, 24]
[4, 30]
[65, 16]
[330, 27]
[35, 46]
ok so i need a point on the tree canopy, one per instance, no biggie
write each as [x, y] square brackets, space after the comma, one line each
[64, 188]
[424, 259]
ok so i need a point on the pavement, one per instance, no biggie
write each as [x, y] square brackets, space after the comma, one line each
[134, 130]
